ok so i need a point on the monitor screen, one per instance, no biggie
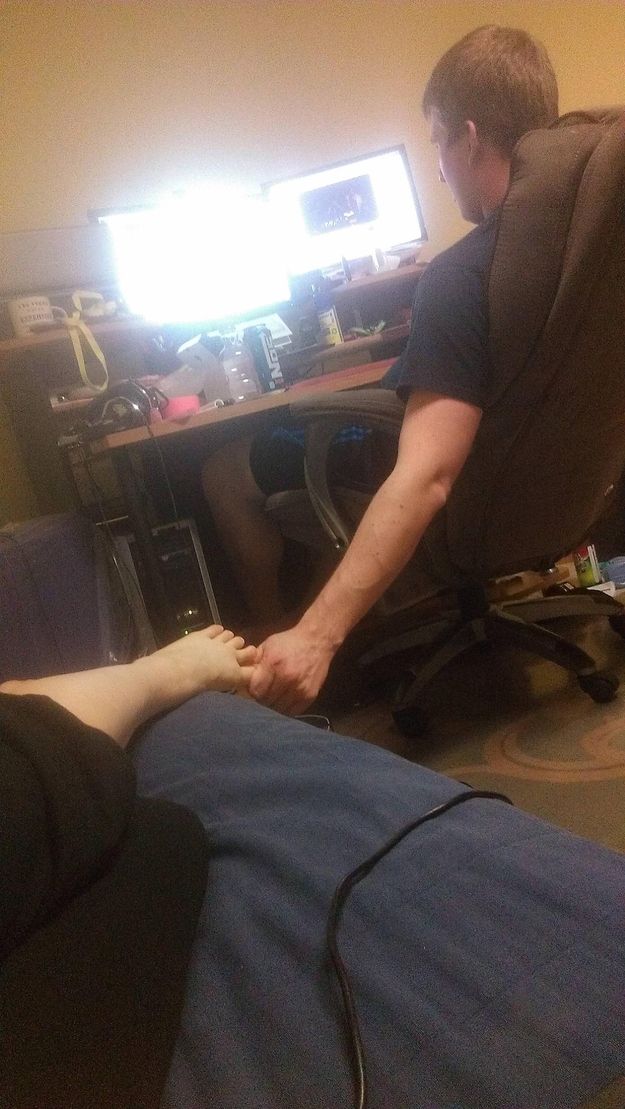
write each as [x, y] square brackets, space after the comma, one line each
[203, 258]
[346, 210]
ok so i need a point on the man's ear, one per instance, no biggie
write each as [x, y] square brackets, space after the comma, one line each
[473, 142]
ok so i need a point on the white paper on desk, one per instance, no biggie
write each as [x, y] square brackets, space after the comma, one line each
[280, 333]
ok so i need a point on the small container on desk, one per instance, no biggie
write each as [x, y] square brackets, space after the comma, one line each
[266, 361]
[587, 566]
[330, 331]
[330, 327]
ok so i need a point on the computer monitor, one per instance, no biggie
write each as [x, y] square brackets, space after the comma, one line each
[203, 258]
[346, 210]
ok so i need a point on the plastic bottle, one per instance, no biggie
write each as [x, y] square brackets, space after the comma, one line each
[201, 372]
[240, 370]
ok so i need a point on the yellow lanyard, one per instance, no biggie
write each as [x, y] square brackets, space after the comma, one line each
[77, 328]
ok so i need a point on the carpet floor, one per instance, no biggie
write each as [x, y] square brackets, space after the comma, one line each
[507, 721]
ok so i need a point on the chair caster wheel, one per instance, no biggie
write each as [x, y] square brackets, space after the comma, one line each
[412, 722]
[410, 718]
[315, 720]
[601, 686]
[617, 623]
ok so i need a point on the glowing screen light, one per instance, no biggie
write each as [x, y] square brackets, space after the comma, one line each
[209, 255]
[347, 210]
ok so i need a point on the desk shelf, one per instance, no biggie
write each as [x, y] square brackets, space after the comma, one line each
[387, 296]
[32, 366]
[55, 335]
[379, 282]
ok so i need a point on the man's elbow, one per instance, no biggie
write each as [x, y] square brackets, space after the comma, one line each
[417, 506]
[438, 491]
[428, 493]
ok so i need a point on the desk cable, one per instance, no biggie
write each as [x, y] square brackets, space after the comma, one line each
[163, 467]
[341, 893]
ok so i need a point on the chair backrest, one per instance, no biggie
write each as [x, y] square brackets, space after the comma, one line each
[551, 444]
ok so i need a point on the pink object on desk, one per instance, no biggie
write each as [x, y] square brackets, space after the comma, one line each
[177, 407]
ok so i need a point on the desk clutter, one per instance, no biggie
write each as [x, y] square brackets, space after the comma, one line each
[46, 397]
[332, 321]
[204, 260]
[213, 372]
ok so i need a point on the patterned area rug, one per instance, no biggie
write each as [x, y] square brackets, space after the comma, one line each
[504, 720]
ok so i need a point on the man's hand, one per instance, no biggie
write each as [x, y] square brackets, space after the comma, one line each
[292, 668]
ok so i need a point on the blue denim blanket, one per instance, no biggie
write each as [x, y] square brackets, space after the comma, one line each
[486, 952]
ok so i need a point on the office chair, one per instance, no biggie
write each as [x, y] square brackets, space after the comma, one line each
[551, 443]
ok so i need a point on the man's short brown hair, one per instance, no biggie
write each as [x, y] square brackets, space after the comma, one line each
[498, 77]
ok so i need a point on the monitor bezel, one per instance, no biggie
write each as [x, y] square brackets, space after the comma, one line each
[399, 148]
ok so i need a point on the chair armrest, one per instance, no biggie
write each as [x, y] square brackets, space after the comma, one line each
[324, 416]
[380, 406]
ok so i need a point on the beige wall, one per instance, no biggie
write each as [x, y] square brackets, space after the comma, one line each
[109, 102]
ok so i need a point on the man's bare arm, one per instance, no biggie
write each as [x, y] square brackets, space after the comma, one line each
[436, 437]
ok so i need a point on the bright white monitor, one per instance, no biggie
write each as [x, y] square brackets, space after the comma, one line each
[201, 258]
[346, 210]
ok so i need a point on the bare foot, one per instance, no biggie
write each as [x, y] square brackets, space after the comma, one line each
[210, 659]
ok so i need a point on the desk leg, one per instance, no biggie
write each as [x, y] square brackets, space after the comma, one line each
[158, 605]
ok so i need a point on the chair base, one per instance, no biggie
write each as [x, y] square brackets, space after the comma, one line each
[511, 623]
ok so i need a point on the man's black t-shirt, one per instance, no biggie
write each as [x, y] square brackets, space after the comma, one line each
[447, 351]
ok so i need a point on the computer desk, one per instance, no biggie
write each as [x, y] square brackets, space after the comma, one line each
[354, 377]
[209, 422]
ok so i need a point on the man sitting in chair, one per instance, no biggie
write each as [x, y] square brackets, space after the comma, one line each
[484, 94]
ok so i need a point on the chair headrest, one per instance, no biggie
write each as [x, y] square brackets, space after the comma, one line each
[566, 181]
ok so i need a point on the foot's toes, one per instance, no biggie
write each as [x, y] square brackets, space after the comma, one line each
[214, 630]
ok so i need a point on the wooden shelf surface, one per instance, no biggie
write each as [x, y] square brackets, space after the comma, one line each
[353, 377]
[366, 342]
[55, 335]
[377, 280]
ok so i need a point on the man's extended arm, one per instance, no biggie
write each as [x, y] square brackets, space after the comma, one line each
[436, 437]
